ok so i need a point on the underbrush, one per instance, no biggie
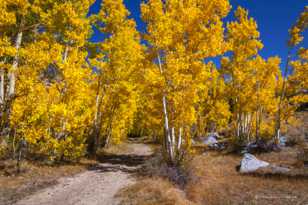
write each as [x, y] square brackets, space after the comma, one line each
[157, 167]
[4, 152]
[153, 191]
[157, 184]
[297, 133]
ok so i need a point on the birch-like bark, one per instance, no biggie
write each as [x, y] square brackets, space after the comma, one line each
[65, 54]
[172, 145]
[282, 95]
[109, 133]
[168, 141]
[98, 101]
[249, 124]
[246, 124]
[2, 73]
[98, 116]
[179, 140]
[166, 118]
[97, 108]
[238, 125]
[12, 77]
[167, 130]
[172, 136]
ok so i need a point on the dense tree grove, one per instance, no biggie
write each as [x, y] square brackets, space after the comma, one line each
[66, 96]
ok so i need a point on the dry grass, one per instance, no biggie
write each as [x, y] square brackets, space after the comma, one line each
[34, 176]
[213, 179]
[297, 132]
[158, 184]
[153, 191]
[123, 148]
[115, 149]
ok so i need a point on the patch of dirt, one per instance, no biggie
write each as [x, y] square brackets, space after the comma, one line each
[90, 187]
[34, 177]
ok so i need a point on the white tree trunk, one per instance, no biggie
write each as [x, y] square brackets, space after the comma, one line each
[179, 140]
[173, 136]
[1, 87]
[281, 98]
[97, 109]
[238, 126]
[168, 140]
[172, 144]
[167, 130]
[249, 117]
[65, 54]
[277, 140]
[12, 77]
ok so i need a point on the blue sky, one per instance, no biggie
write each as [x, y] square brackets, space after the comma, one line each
[274, 18]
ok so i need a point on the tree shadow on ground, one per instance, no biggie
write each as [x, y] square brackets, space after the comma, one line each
[125, 163]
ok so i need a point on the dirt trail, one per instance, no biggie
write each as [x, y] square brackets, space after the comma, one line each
[97, 186]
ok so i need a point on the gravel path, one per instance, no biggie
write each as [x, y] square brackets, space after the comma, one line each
[94, 187]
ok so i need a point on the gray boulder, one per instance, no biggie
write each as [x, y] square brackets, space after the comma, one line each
[250, 164]
[283, 141]
[211, 140]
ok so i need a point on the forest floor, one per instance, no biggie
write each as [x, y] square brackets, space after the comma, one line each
[133, 176]
[94, 183]
[130, 174]
[211, 178]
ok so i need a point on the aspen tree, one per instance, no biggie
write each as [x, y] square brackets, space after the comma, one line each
[296, 37]
[118, 70]
[181, 34]
[18, 20]
[53, 109]
[213, 109]
[250, 79]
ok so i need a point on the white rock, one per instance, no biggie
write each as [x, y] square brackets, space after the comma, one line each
[211, 140]
[250, 163]
[283, 140]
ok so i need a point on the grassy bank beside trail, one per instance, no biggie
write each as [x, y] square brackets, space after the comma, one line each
[211, 178]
